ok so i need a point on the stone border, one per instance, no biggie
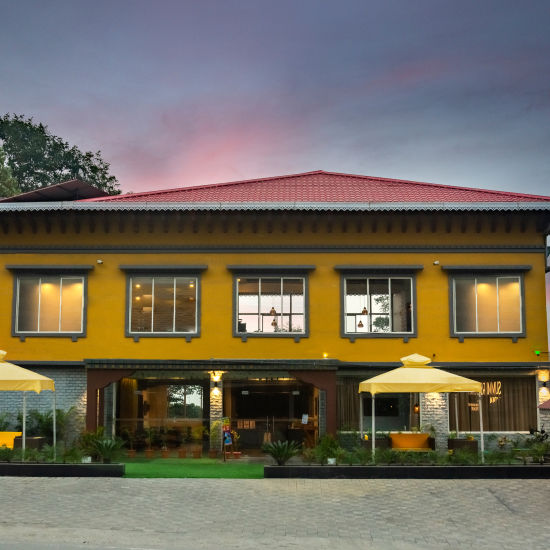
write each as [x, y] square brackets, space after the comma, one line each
[61, 470]
[512, 471]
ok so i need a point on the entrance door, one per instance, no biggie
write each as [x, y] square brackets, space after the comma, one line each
[272, 411]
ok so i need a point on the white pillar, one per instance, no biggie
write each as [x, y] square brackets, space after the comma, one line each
[23, 442]
[481, 438]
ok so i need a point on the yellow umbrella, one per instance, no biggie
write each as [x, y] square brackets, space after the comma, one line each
[417, 376]
[14, 378]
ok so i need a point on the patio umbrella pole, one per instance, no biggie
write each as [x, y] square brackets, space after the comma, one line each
[373, 432]
[481, 430]
[54, 428]
[456, 415]
[24, 425]
[361, 416]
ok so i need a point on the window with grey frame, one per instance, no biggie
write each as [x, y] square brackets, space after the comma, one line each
[378, 305]
[162, 304]
[487, 304]
[49, 304]
[270, 305]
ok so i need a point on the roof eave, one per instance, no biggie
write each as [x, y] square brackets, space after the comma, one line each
[271, 206]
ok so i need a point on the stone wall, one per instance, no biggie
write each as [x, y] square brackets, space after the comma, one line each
[70, 391]
[434, 411]
[216, 412]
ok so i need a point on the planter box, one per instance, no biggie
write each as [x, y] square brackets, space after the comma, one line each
[61, 470]
[463, 445]
[514, 471]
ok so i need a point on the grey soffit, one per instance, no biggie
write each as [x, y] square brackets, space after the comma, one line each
[49, 268]
[485, 267]
[353, 268]
[103, 206]
[246, 268]
[214, 364]
[175, 268]
[265, 249]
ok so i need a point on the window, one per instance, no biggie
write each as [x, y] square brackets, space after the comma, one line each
[271, 305]
[508, 404]
[49, 304]
[163, 305]
[378, 305]
[487, 304]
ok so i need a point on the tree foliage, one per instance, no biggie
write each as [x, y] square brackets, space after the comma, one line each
[36, 158]
[8, 184]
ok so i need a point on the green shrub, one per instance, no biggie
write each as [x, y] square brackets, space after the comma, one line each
[71, 455]
[281, 451]
[362, 456]
[87, 441]
[326, 448]
[107, 449]
[6, 454]
[308, 455]
[33, 455]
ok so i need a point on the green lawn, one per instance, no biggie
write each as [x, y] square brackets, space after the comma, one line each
[192, 467]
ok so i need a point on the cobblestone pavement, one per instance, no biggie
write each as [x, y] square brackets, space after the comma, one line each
[202, 514]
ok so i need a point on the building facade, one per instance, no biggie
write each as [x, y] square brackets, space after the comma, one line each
[268, 301]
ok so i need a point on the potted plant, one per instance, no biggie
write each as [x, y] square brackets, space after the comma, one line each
[235, 438]
[130, 437]
[149, 436]
[198, 433]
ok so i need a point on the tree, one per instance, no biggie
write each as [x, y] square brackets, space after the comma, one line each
[8, 184]
[36, 158]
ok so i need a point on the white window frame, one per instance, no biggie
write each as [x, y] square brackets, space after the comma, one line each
[81, 278]
[279, 315]
[498, 332]
[371, 333]
[144, 333]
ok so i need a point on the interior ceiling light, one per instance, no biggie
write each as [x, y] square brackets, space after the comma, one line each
[274, 323]
[273, 312]
[365, 311]
[360, 324]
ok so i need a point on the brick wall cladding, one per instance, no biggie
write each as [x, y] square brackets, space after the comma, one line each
[216, 411]
[70, 390]
[544, 419]
[434, 411]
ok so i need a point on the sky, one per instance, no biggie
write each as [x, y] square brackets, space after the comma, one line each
[178, 93]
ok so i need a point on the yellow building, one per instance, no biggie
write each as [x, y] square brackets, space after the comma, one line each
[267, 301]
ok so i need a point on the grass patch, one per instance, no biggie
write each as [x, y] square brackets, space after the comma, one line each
[192, 467]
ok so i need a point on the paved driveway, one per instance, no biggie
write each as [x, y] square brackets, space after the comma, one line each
[69, 513]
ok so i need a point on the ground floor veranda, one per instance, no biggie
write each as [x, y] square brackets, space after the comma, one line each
[172, 404]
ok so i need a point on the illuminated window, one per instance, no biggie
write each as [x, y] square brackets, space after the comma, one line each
[375, 305]
[271, 305]
[50, 304]
[163, 304]
[487, 304]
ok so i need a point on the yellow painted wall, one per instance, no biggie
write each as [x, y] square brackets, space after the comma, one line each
[107, 298]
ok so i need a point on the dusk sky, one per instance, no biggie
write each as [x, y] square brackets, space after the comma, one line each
[178, 93]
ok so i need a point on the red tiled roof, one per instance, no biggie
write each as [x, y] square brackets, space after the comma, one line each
[323, 187]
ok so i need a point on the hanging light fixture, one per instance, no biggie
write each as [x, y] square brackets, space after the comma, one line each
[365, 311]
[272, 312]
[360, 324]
[274, 323]
[416, 408]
